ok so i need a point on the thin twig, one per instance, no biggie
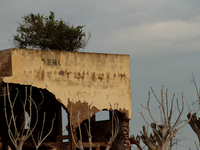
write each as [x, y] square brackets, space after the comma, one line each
[71, 127]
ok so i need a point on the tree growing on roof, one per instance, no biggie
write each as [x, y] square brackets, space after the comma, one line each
[37, 31]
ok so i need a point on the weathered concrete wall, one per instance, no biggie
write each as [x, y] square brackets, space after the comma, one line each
[73, 76]
[5, 63]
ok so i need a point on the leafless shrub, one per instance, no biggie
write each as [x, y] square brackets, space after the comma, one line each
[164, 133]
[19, 135]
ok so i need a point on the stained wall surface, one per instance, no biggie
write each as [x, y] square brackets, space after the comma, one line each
[76, 77]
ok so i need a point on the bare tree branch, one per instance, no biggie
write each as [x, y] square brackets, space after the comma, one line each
[115, 126]
[194, 122]
[136, 141]
[18, 137]
[165, 132]
[149, 108]
[114, 131]
[71, 127]
[40, 139]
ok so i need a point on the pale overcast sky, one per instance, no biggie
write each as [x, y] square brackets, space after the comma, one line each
[162, 38]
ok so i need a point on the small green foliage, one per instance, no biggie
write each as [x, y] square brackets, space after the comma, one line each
[37, 31]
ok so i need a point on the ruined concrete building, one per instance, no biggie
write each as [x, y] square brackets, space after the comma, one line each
[69, 80]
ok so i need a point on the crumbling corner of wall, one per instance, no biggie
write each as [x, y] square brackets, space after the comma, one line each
[79, 107]
[5, 63]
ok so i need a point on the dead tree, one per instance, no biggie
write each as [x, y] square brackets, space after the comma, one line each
[162, 133]
[194, 121]
[18, 135]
